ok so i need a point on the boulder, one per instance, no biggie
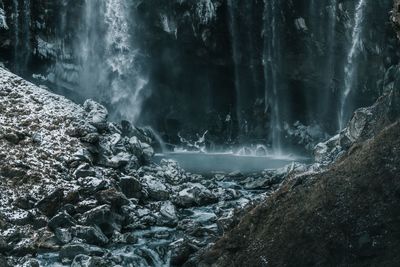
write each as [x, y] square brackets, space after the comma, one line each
[195, 195]
[155, 188]
[61, 220]
[103, 217]
[112, 197]
[90, 234]
[130, 186]
[50, 204]
[365, 124]
[64, 236]
[84, 170]
[97, 113]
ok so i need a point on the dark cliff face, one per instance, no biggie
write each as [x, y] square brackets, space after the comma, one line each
[205, 60]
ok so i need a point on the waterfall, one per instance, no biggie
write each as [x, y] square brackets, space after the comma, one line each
[127, 83]
[327, 101]
[109, 60]
[16, 29]
[351, 65]
[245, 23]
[22, 35]
[271, 61]
[235, 56]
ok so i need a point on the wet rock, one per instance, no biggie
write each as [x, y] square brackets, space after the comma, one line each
[181, 250]
[130, 186]
[23, 247]
[91, 185]
[80, 130]
[172, 173]
[155, 188]
[97, 113]
[20, 217]
[4, 246]
[168, 211]
[126, 238]
[135, 146]
[61, 220]
[63, 235]
[91, 138]
[84, 170]
[50, 204]
[38, 220]
[121, 160]
[257, 183]
[112, 197]
[90, 234]
[88, 261]
[31, 263]
[82, 155]
[195, 195]
[103, 217]
[148, 151]
[365, 124]
[24, 202]
[70, 251]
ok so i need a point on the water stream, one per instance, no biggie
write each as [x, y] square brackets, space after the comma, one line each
[352, 63]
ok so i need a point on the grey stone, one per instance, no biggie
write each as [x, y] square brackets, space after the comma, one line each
[130, 186]
[90, 234]
[61, 220]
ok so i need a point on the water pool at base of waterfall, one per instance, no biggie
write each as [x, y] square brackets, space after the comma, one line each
[198, 162]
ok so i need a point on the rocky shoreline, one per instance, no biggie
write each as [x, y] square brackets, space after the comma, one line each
[78, 190]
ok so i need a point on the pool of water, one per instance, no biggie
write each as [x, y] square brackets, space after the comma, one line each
[198, 162]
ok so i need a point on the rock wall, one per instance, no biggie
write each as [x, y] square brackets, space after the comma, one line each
[206, 61]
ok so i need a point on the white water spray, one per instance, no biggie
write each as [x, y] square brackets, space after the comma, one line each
[127, 84]
[110, 69]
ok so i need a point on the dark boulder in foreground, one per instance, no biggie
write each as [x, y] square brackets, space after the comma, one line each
[346, 216]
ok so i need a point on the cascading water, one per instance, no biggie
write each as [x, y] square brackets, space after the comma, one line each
[110, 70]
[126, 82]
[323, 26]
[351, 65]
[329, 72]
[235, 51]
[22, 35]
[271, 61]
[248, 76]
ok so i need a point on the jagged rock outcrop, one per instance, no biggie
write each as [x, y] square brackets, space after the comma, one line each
[365, 124]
